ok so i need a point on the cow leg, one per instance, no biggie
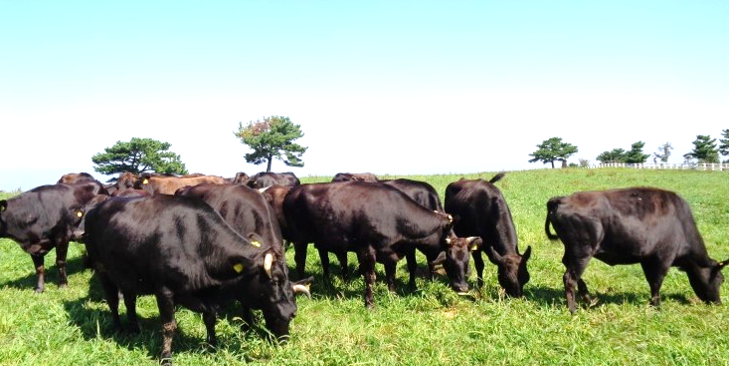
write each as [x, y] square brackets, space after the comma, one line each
[300, 258]
[342, 257]
[166, 305]
[655, 271]
[324, 259]
[572, 277]
[478, 263]
[130, 302]
[40, 272]
[111, 294]
[247, 316]
[367, 258]
[390, 270]
[582, 291]
[209, 318]
[61, 253]
[413, 267]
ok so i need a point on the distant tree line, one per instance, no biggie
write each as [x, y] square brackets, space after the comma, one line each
[705, 151]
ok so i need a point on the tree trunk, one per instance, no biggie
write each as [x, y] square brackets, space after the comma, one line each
[268, 167]
[552, 164]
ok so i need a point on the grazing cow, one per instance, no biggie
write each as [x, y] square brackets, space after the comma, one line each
[378, 222]
[480, 209]
[355, 177]
[159, 184]
[73, 178]
[180, 250]
[44, 218]
[267, 179]
[649, 226]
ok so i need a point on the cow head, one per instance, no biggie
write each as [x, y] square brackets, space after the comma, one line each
[457, 258]
[706, 281]
[512, 270]
[270, 290]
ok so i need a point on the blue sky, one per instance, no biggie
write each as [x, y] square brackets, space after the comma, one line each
[389, 87]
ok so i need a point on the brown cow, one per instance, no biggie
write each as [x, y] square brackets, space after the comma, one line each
[158, 184]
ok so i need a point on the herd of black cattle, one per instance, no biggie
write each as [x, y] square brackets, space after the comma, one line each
[199, 241]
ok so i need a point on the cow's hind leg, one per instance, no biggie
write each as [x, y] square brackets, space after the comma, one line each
[655, 271]
[573, 277]
[166, 305]
[130, 302]
[413, 267]
[61, 254]
[40, 273]
[367, 258]
[111, 294]
[342, 257]
[324, 259]
[390, 270]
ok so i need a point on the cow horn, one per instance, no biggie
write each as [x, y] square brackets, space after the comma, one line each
[267, 264]
[723, 264]
[301, 289]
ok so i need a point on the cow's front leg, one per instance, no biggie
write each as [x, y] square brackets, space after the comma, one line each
[390, 270]
[166, 305]
[61, 254]
[130, 302]
[342, 257]
[209, 318]
[655, 271]
[324, 259]
[413, 267]
[300, 258]
[478, 263]
[367, 260]
[40, 273]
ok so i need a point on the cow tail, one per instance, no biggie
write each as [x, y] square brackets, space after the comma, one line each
[496, 178]
[551, 207]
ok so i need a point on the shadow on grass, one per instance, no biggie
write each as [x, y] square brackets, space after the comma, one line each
[545, 296]
[96, 323]
[74, 265]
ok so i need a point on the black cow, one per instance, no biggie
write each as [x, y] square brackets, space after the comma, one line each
[182, 251]
[267, 179]
[481, 210]
[241, 178]
[73, 178]
[275, 196]
[44, 218]
[377, 222]
[650, 226]
[355, 177]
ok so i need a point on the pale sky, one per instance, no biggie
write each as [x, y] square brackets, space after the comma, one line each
[388, 87]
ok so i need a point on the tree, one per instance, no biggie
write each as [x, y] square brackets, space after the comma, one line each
[635, 155]
[704, 150]
[552, 150]
[614, 156]
[664, 151]
[138, 156]
[272, 138]
[724, 146]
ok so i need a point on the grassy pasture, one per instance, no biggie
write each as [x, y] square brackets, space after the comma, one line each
[430, 326]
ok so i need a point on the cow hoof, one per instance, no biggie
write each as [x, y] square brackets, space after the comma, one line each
[39, 290]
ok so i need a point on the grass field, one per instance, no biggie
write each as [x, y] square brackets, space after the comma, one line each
[430, 326]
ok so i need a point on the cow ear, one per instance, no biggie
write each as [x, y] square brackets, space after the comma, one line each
[527, 254]
[474, 242]
[3, 205]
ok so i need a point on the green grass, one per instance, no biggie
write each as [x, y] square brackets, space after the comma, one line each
[430, 326]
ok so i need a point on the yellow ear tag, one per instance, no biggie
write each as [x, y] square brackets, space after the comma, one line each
[238, 267]
[474, 247]
[256, 244]
[145, 181]
[79, 214]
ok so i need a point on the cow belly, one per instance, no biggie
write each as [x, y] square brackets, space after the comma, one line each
[614, 258]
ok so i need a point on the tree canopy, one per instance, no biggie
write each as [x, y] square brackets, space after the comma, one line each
[704, 151]
[635, 155]
[664, 152]
[552, 150]
[724, 143]
[613, 156]
[272, 138]
[138, 156]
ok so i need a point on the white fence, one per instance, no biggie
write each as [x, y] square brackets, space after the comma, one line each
[699, 166]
